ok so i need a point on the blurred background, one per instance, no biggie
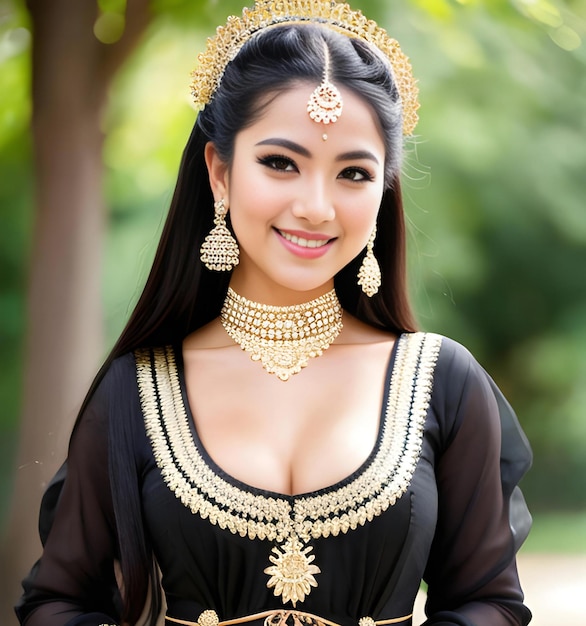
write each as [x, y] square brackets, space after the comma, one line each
[94, 113]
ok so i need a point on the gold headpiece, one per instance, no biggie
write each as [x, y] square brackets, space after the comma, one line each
[339, 17]
[325, 103]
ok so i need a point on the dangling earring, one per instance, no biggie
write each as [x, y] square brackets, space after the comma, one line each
[369, 276]
[219, 250]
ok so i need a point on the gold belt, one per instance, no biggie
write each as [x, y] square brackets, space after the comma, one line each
[280, 618]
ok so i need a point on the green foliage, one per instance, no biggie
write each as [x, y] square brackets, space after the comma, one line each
[559, 533]
[495, 194]
[149, 119]
[494, 188]
[16, 199]
[15, 203]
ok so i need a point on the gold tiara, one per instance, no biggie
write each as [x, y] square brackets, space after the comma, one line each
[229, 39]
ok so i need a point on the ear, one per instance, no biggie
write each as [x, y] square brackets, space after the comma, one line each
[218, 172]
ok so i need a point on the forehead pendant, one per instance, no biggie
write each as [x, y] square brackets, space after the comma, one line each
[325, 103]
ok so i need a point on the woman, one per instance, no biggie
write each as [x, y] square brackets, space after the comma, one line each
[270, 431]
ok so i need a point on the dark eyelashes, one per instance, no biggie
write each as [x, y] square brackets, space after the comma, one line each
[282, 163]
[365, 174]
[272, 160]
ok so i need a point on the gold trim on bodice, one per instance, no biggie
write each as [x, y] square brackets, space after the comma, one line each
[290, 522]
[280, 618]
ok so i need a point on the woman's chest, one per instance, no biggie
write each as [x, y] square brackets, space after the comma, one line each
[361, 561]
[294, 437]
[389, 500]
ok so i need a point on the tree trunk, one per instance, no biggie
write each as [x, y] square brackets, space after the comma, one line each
[72, 71]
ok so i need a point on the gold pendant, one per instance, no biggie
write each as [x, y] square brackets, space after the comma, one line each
[292, 572]
[325, 104]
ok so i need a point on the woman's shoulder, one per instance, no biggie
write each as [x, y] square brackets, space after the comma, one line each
[457, 375]
[114, 407]
[451, 359]
[114, 391]
[464, 390]
[122, 367]
[443, 355]
[115, 375]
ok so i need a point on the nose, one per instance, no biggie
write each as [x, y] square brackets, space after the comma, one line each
[315, 203]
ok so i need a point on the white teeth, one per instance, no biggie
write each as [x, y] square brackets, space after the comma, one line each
[304, 243]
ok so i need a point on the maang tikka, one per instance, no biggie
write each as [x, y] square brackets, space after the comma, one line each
[219, 250]
[325, 103]
[336, 16]
[369, 275]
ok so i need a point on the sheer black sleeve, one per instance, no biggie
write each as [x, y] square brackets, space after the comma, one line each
[74, 582]
[471, 571]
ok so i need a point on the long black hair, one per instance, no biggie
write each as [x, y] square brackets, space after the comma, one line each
[181, 295]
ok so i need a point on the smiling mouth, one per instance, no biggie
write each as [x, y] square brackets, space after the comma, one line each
[302, 242]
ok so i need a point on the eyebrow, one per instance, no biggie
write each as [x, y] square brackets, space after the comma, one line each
[357, 155]
[298, 149]
[285, 143]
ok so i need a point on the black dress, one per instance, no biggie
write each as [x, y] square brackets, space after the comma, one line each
[432, 501]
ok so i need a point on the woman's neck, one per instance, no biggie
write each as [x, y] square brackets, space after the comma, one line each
[278, 295]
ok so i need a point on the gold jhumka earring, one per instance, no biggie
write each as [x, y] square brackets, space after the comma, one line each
[369, 275]
[219, 250]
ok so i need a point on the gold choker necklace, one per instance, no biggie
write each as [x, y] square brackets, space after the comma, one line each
[282, 338]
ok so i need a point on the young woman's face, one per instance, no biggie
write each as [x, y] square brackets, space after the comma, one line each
[302, 205]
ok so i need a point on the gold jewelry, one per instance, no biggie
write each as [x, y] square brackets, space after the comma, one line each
[369, 276]
[337, 16]
[292, 572]
[207, 618]
[281, 520]
[325, 103]
[219, 250]
[280, 617]
[282, 338]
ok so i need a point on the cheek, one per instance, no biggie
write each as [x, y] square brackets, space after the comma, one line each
[253, 217]
[254, 195]
[360, 218]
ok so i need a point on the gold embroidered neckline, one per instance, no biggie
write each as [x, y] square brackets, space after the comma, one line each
[260, 491]
[291, 521]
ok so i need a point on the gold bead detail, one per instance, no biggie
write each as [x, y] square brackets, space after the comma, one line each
[283, 339]
[208, 618]
[337, 16]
